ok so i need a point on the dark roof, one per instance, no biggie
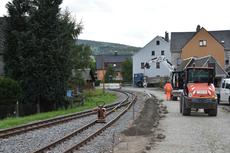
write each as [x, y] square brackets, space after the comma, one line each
[184, 64]
[203, 62]
[179, 39]
[110, 59]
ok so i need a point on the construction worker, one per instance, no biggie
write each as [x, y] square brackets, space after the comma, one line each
[168, 89]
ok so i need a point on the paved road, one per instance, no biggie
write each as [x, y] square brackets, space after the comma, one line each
[197, 133]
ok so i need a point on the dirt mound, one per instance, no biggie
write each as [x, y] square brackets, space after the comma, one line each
[145, 122]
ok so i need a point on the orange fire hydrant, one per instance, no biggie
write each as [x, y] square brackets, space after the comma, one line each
[168, 89]
[101, 114]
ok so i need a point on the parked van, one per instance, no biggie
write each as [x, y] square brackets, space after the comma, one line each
[224, 91]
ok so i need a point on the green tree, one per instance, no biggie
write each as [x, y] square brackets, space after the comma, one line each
[43, 49]
[15, 33]
[127, 70]
[80, 58]
[109, 75]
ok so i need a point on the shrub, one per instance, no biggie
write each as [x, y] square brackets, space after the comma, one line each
[9, 90]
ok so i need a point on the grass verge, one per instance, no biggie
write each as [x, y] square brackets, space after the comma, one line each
[92, 97]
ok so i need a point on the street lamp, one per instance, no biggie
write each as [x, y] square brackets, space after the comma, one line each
[103, 69]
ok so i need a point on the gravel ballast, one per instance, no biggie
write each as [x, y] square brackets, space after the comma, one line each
[34, 140]
[105, 142]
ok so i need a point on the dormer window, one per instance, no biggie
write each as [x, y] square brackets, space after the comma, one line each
[158, 42]
[203, 43]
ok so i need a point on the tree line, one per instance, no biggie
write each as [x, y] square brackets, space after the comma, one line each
[41, 55]
[41, 52]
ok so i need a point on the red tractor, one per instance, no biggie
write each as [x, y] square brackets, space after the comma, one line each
[199, 91]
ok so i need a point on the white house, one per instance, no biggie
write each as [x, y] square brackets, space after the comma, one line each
[159, 46]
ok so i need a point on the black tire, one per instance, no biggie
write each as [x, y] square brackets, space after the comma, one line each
[174, 98]
[181, 97]
[185, 111]
[140, 84]
[206, 111]
[212, 112]
[218, 99]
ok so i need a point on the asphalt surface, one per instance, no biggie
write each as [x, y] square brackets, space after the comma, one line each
[198, 133]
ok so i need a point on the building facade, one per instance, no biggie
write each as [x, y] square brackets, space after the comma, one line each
[159, 46]
[199, 44]
[104, 61]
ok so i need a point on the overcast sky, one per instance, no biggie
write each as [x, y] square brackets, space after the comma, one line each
[136, 22]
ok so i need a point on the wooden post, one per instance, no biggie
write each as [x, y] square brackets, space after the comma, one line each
[17, 109]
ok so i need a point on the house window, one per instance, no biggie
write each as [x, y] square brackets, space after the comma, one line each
[153, 53]
[203, 43]
[178, 61]
[142, 65]
[158, 42]
[157, 65]
[162, 52]
[226, 62]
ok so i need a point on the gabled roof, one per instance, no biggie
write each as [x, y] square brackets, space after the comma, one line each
[100, 59]
[153, 40]
[203, 62]
[179, 39]
[185, 63]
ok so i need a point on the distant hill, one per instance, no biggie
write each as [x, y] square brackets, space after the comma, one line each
[99, 48]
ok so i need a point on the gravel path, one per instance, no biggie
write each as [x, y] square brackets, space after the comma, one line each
[31, 141]
[198, 133]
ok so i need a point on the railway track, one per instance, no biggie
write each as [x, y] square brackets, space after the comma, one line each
[86, 133]
[54, 121]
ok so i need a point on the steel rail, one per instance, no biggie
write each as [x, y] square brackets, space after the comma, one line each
[84, 142]
[57, 120]
[72, 134]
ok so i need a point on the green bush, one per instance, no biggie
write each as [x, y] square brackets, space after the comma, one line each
[97, 83]
[9, 90]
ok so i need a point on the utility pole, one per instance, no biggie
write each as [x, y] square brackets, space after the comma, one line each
[103, 69]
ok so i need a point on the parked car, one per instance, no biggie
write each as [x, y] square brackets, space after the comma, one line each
[223, 92]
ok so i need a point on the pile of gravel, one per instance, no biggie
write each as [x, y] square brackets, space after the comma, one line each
[145, 122]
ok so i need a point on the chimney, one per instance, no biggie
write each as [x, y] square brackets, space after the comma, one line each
[197, 28]
[166, 36]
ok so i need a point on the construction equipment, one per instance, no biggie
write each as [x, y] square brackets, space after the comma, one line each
[139, 79]
[177, 83]
[199, 91]
[158, 59]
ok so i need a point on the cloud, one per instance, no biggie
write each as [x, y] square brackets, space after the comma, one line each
[136, 22]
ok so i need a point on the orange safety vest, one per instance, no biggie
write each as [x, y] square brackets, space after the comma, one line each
[168, 87]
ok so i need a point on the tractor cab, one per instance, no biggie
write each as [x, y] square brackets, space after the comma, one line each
[199, 75]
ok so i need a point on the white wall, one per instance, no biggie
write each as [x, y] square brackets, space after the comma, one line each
[145, 55]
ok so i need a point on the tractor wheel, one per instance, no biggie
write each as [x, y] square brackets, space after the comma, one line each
[218, 99]
[206, 111]
[212, 112]
[185, 111]
[174, 98]
[181, 98]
